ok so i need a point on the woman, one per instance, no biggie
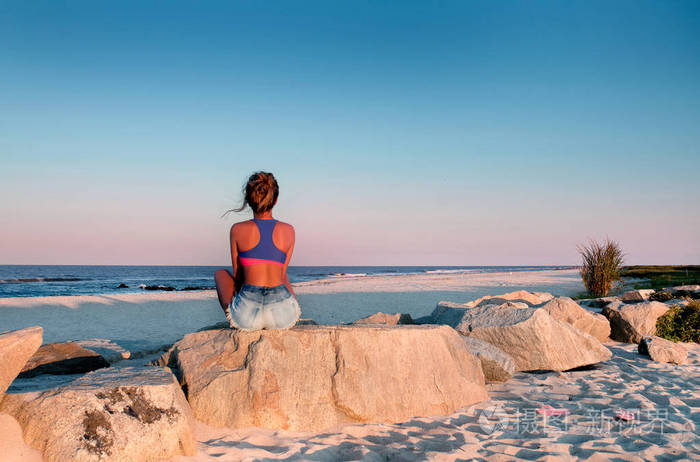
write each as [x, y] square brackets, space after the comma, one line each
[258, 294]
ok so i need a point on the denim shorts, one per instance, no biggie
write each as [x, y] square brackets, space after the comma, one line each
[257, 307]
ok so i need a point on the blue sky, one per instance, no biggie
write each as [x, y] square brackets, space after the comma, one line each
[433, 133]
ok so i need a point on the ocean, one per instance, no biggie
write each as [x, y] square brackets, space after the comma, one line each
[52, 280]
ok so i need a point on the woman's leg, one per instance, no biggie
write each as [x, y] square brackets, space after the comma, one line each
[225, 287]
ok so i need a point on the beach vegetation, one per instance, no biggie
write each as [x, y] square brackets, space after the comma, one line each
[662, 276]
[600, 266]
[680, 323]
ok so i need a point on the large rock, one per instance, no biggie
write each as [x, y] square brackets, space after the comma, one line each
[313, 378]
[16, 347]
[530, 298]
[533, 338]
[662, 350]
[386, 318]
[497, 366]
[62, 358]
[634, 296]
[629, 323]
[567, 310]
[114, 414]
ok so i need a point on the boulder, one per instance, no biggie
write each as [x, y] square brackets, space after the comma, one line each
[62, 358]
[634, 296]
[533, 338]
[567, 310]
[114, 414]
[110, 351]
[385, 318]
[662, 350]
[629, 323]
[497, 366]
[16, 347]
[312, 378]
[530, 298]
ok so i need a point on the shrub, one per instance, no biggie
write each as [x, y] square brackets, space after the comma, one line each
[600, 266]
[680, 323]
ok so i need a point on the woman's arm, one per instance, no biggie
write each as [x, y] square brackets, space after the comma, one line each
[237, 270]
[286, 264]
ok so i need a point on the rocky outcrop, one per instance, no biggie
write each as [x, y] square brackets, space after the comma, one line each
[566, 310]
[530, 298]
[497, 366]
[630, 322]
[62, 358]
[16, 347]
[114, 414]
[316, 377]
[386, 318]
[662, 350]
[533, 338]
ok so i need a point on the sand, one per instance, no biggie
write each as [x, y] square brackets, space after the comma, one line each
[666, 399]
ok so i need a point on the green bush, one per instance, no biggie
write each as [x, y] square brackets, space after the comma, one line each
[600, 266]
[680, 323]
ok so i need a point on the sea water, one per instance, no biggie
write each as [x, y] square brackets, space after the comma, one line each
[45, 280]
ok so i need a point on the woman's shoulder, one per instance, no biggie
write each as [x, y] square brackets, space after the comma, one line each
[284, 225]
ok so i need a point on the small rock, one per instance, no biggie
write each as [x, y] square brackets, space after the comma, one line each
[16, 347]
[634, 296]
[122, 286]
[662, 350]
[385, 318]
[164, 288]
[109, 350]
[599, 302]
[62, 358]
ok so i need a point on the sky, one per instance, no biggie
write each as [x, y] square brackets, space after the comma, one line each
[401, 133]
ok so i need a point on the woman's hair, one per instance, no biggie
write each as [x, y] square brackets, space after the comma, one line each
[259, 193]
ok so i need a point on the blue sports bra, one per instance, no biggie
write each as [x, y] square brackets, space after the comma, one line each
[265, 251]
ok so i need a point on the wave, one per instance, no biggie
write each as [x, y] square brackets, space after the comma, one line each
[448, 271]
[347, 275]
[24, 280]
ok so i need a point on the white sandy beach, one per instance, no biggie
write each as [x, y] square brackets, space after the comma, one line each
[665, 397]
